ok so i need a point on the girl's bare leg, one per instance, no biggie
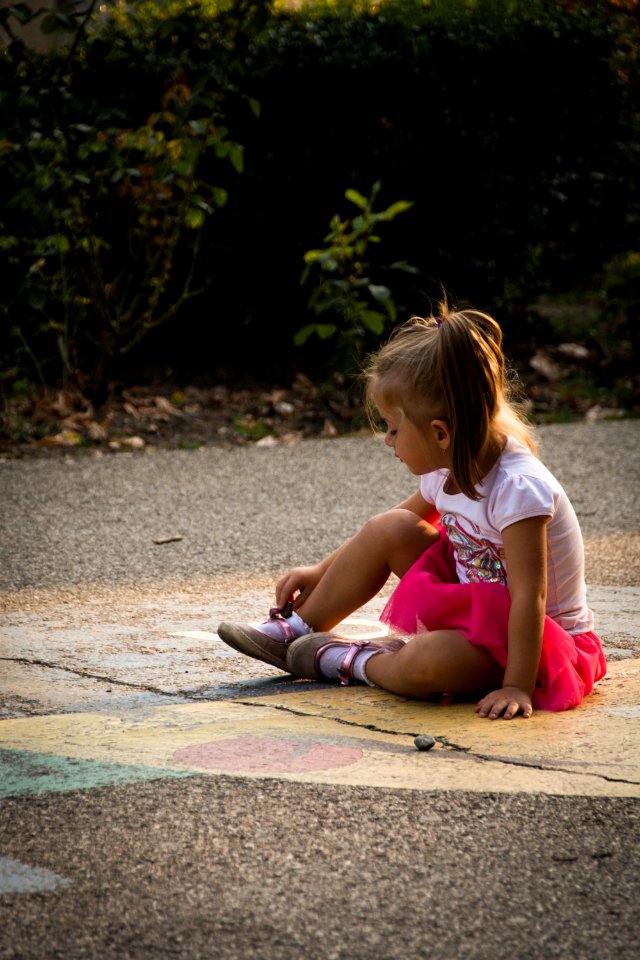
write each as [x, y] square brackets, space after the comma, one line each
[442, 661]
[388, 543]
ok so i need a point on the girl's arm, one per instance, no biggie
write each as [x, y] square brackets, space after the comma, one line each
[525, 547]
[418, 505]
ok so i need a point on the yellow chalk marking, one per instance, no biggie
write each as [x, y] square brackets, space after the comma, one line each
[591, 751]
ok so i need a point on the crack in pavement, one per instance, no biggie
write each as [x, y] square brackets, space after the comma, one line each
[442, 740]
[453, 747]
[87, 675]
[196, 695]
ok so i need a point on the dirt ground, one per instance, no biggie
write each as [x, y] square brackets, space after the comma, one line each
[164, 414]
[168, 416]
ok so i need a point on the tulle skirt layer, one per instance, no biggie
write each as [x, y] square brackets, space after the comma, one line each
[430, 597]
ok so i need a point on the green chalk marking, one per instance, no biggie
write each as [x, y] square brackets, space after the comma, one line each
[23, 772]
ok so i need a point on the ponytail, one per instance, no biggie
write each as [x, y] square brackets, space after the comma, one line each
[471, 374]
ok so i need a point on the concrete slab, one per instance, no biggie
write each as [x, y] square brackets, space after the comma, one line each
[355, 736]
[95, 653]
[176, 785]
[89, 656]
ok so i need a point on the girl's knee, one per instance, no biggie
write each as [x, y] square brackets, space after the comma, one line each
[401, 536]
[398, 521]
[423, 661]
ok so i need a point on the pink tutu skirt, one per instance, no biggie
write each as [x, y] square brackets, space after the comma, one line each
[430, 597]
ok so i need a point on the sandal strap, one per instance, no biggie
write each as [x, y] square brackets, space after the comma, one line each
[345, 670]
[287, 633]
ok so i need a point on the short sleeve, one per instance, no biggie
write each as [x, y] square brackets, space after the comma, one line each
[432, 483]
[519, 497]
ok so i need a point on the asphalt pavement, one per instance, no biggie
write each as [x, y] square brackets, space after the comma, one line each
[162, 797]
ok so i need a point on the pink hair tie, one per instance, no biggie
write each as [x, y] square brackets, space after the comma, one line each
[438, 321]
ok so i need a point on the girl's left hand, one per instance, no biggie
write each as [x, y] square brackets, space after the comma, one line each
[506, 702]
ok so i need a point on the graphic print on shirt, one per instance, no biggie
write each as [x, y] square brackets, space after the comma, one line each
[481, 559]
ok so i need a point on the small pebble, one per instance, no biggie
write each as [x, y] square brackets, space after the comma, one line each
[423, 742]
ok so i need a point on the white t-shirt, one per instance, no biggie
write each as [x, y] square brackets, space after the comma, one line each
[517, 486]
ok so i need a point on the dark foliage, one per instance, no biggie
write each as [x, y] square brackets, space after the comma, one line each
[512, 129]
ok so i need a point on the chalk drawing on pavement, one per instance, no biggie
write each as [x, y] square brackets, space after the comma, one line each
[22, 771]
[266, 755]
[16, 877]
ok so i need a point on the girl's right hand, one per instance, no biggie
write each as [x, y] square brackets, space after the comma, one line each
[297, 586]
[506, 702]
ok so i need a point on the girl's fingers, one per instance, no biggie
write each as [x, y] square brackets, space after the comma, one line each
[498, 708]
[497, 705]
[284, 594]
[511, 710]
[514, 707]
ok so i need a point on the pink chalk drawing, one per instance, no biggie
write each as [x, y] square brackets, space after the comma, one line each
[266, 755]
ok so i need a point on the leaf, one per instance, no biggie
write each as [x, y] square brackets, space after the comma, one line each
[236, 156]
[379, 292]
[198, 126]
[323, 257]
[303, 334]
[396, 208]
[61, 243]
[329, 304]
[220, 196]
[49, 24]
[186, 155]
[357, 198]
[404, 266]
[66, 438]
[194, 218]
[325, 330]
[372, 320]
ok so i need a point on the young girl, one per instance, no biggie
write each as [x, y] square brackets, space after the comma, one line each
[488, 550]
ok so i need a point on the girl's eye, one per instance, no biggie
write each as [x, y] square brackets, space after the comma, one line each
[391, 433]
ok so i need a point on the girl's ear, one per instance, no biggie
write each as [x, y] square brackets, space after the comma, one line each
[441, 433]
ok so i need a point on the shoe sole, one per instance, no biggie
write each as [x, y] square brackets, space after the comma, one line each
[238, 637]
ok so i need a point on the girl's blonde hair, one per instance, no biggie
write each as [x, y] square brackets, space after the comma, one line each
[450, 367]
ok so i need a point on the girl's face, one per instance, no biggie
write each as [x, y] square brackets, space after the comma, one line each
[421, 450]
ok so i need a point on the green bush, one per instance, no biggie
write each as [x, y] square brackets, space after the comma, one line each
[164, 174]
[106, 202]
[349, 305]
